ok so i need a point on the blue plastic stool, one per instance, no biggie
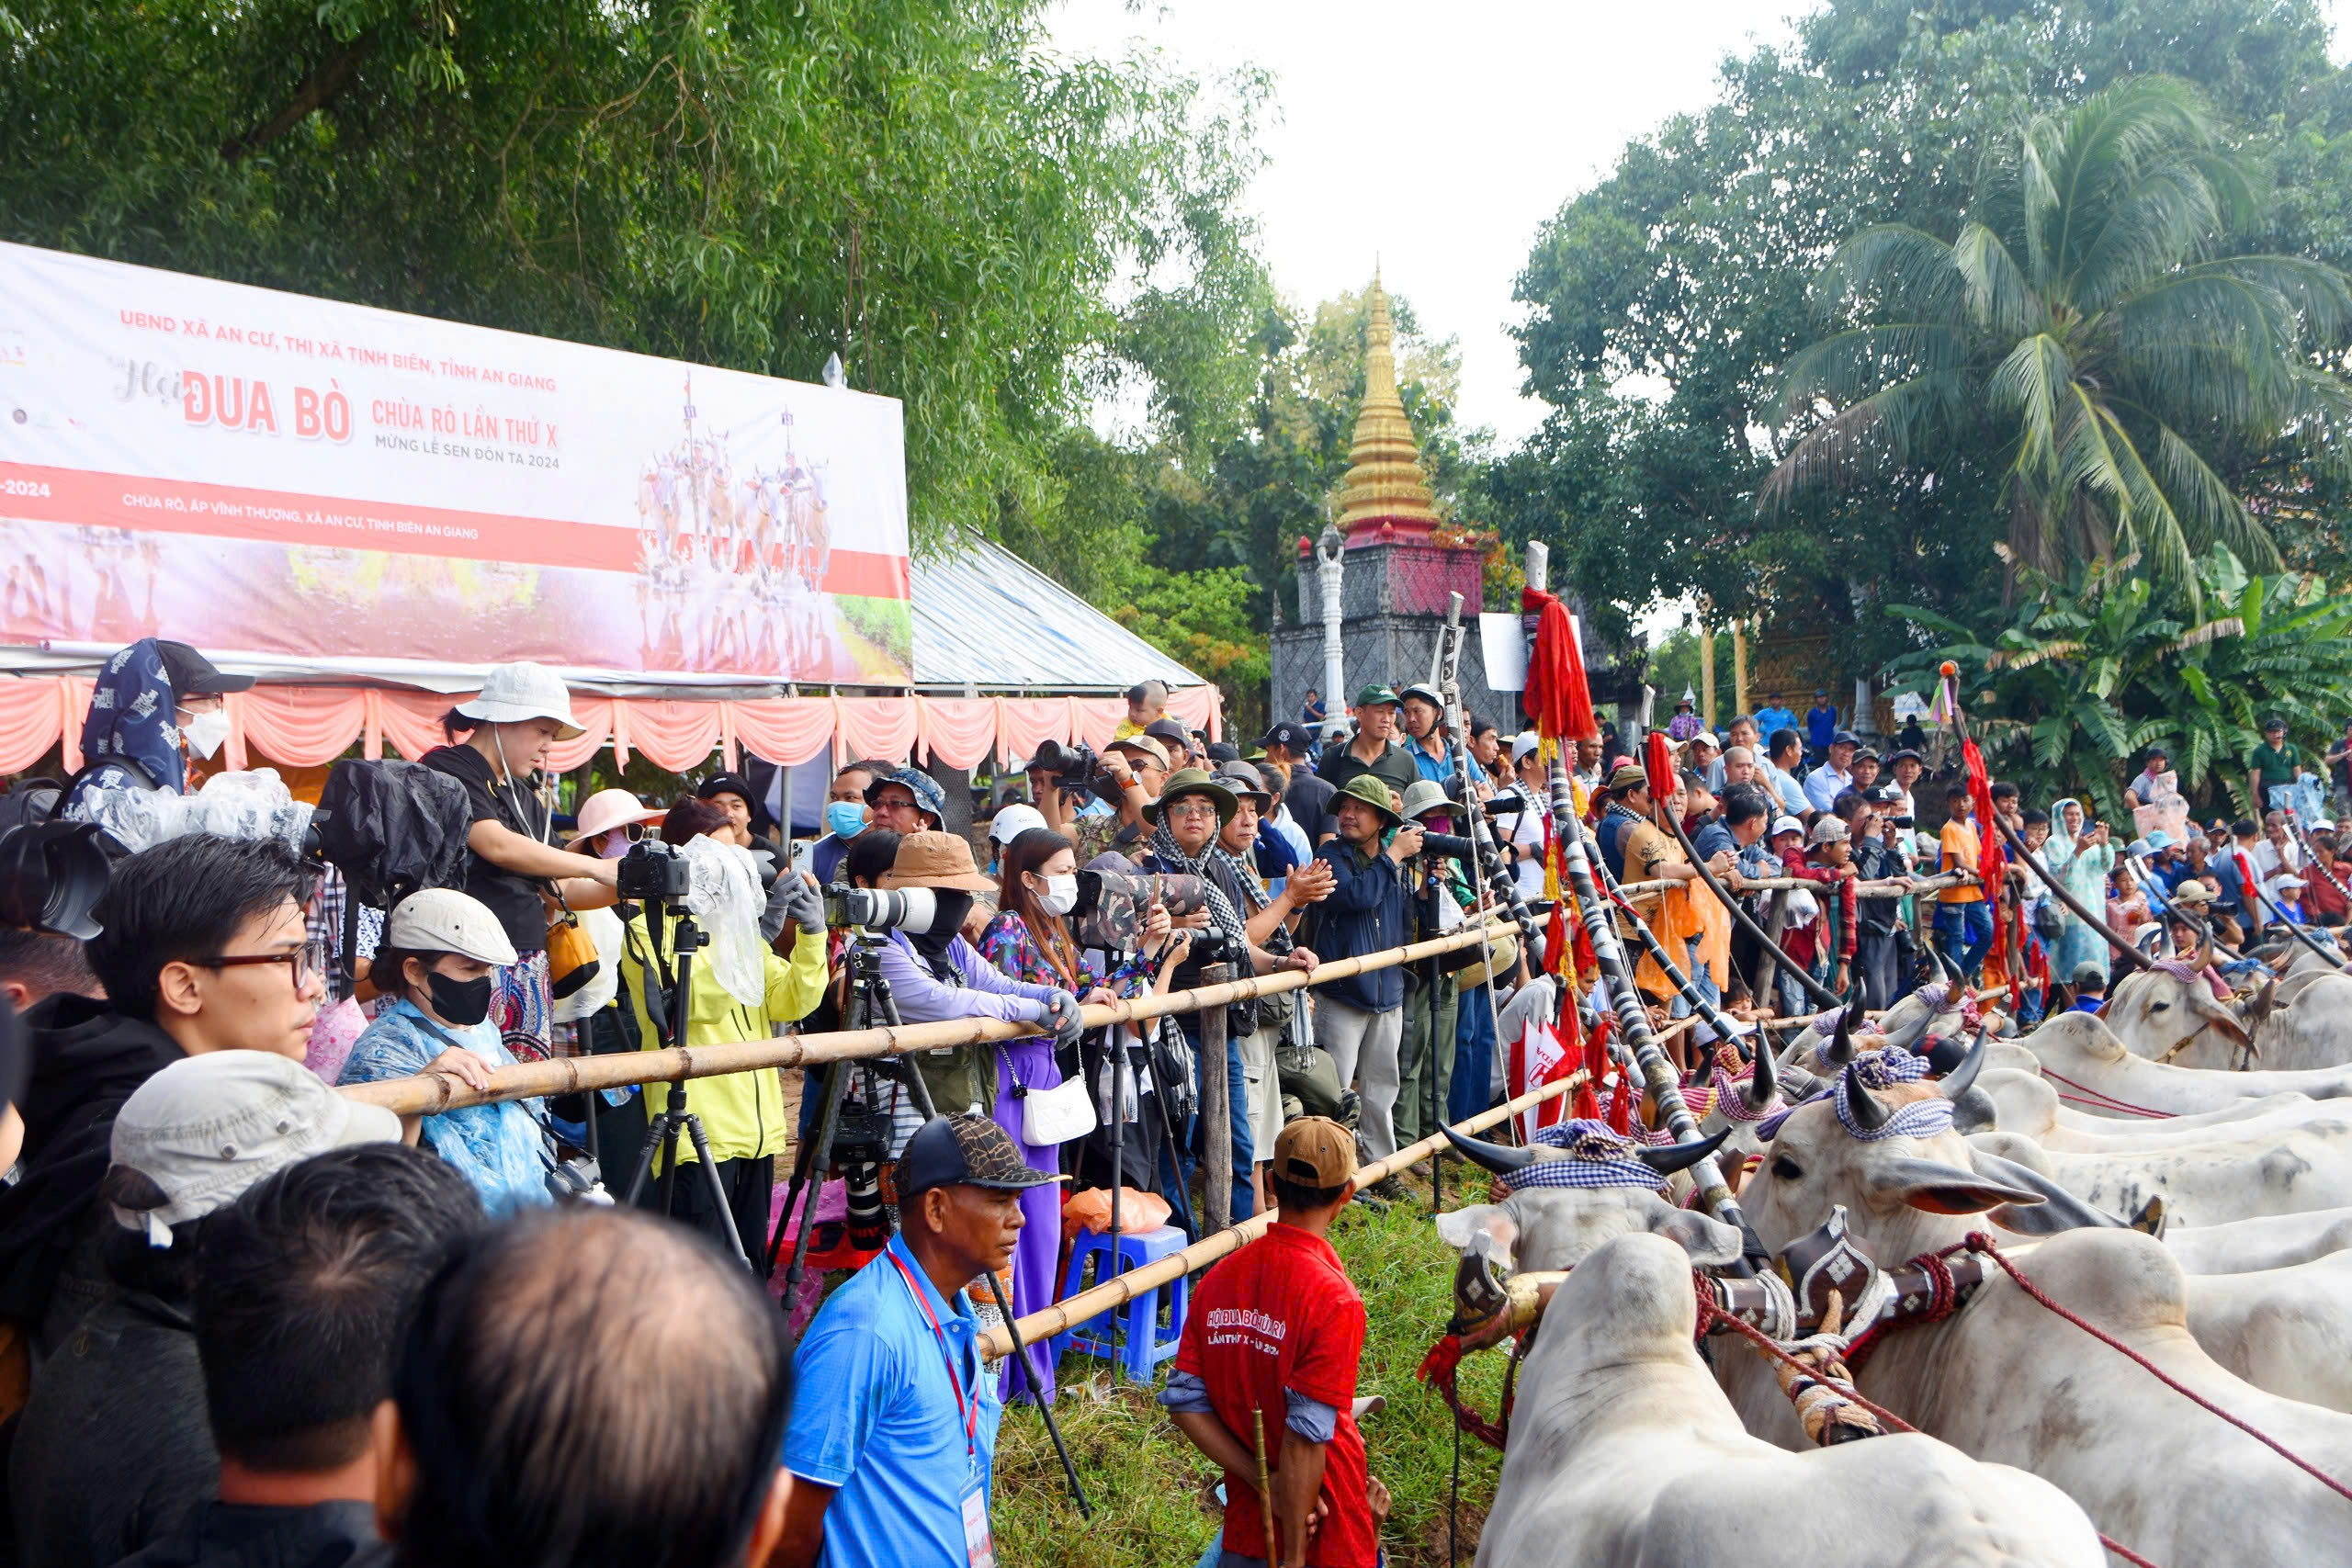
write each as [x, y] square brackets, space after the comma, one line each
[1155, 1319]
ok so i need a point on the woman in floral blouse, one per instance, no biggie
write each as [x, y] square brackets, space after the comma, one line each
[1030, 940]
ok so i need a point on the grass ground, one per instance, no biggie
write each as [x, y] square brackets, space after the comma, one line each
[1146, 1484]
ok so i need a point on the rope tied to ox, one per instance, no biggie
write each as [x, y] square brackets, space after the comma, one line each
[1792, 1371]
[1980, 1242]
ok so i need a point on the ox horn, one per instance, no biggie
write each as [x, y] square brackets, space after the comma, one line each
[1681, 1156]
[1497, 1157]
[1867, 1111]
[1841, 1043]
[1958, 1081]
[1760, 1088]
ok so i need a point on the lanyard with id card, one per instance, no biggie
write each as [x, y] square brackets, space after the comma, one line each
[979, 1545]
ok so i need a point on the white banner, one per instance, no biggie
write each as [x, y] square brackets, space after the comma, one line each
[266, 474]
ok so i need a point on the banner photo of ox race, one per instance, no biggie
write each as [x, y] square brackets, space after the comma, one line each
[340, 489]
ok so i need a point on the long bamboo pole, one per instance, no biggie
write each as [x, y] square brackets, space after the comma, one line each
[1882, 888]
[1039, 1325]
[428, 1094]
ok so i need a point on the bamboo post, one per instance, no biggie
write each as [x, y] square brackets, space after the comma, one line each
[428, 1094]
[1218, 1111]
[1707, 674]
[996, 1343]
[1739, 670]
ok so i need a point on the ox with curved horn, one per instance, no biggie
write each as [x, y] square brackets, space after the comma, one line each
[1578, 858]
[1506, 1160]
[1868, 1116]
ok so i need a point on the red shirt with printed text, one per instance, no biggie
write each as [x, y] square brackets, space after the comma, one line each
[1279, 1316]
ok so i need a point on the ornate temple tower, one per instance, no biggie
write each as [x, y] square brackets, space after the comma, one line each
[1394, 575]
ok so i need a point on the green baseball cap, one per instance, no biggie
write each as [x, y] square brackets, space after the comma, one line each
[1373, 696]
[1368, 788]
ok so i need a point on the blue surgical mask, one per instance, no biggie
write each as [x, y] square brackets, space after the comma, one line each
[844, 818]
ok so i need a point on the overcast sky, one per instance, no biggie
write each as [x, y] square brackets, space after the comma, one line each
[1439, 137]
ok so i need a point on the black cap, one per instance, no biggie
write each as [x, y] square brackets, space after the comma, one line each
[1289, 736]
[727, 784]
[965, 1150]
[1169, 729]
[1907, 751]
[1224, 751]
[1844, 738]
[193, 675]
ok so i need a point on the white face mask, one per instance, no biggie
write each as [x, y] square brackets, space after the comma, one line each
[1062, 893]
[206, 731]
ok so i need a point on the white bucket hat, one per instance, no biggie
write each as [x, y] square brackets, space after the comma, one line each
[206, 1128]
[514, 693]
[1013, 820]
[442, 920]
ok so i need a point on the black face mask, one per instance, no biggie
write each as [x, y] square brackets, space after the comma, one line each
[953, 905]
[461, 1002]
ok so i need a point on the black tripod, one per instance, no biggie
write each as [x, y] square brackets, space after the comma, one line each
[869, 1004]
[668, 1003]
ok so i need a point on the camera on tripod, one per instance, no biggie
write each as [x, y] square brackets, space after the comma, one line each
[908, 910]
[653, 872]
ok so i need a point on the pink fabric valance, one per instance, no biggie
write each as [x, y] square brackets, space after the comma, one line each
[310, 726]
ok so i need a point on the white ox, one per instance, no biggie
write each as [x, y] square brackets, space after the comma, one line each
[2007, 1381]
[2088, 1067]
[2296, 1024]
[2029, 1103]
[1624, 1452]
[2277, 1170]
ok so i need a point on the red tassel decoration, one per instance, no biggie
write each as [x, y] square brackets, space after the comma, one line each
[1558, 699]
[1657, 761]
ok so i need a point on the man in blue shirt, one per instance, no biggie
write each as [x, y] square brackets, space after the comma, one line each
[1769, 721]
[894, 1417]
[1821, 723]
[1421, 713]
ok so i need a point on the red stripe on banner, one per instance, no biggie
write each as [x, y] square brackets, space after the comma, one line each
[184, 506]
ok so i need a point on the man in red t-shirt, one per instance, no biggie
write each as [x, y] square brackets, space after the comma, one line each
[1278, 1328]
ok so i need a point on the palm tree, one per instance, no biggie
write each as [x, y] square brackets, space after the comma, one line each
[2083, 325]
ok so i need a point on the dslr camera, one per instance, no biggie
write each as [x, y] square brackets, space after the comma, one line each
[1078, 768]
[653, 871]
[909, 910]
[51, 875]
[1449, 846]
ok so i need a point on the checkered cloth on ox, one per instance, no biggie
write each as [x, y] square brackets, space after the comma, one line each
[1594, 1156]
[1878, 1069]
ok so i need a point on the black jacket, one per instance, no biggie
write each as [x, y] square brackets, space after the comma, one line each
[87, 1061]
[230, 1535]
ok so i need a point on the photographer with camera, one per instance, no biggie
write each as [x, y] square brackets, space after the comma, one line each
[156, 704]
[439, 949]
[1272, 918]
[1030, 941]
[1189, 815]
[934, 974]
[741, 1113]
[1360, 1020]
[1123, 782]
[1436, 896]
[510, 864]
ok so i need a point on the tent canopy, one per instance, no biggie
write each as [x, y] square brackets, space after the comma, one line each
[987, 621]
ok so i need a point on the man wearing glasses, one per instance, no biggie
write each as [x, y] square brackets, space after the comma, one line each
[203, 949]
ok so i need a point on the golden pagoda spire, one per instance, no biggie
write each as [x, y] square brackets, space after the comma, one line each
[1384, 483]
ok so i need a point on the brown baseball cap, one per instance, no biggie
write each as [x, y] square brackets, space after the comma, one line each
[936, 859]
[1144, 745]
[1315, 1151]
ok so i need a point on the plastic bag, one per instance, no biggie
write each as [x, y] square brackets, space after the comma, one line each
[255, 805]
[723, 895]
[392, 827]
[1090, 1210]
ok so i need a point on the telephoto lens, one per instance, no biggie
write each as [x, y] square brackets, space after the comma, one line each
[1449, 846]
[869, 1227]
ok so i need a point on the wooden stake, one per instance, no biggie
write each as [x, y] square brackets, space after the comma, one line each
[1265, 1487]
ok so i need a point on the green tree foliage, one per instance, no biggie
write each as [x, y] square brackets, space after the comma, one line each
[755, 183]
[2068, 688]
[2082, 325]
[1665, 300]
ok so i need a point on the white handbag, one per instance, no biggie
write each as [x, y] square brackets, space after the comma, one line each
[1057, 1115]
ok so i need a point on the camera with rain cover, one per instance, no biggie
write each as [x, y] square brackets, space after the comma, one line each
[654, 872]
[1112, 905]
[909, 910]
